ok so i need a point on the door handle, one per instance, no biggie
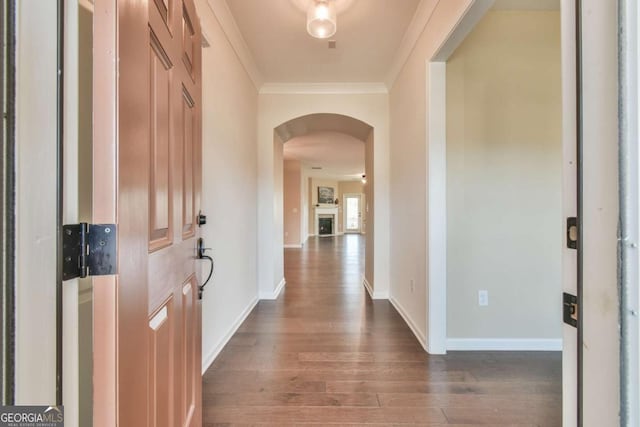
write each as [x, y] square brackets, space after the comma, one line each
[202, 254]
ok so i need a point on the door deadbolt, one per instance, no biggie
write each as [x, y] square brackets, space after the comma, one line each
[201, 219]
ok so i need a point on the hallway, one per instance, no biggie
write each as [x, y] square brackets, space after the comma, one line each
[325, 353]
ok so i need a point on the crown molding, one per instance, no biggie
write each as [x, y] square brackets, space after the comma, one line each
[223, 15]
[323, 88]
[423, 14]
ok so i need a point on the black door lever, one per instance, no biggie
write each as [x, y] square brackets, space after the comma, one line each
[201, 252]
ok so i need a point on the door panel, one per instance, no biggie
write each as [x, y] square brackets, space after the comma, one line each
[190, 368]
[152, 316]
[161, 366]
[189, 116]
[160, 191]
[188, 40]
[164, 8]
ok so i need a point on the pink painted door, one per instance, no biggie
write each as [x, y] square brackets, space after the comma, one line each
[147, 152]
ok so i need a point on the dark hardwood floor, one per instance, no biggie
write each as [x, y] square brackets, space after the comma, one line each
[325, 354]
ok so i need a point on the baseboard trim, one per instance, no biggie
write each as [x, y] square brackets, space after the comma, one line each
[504, 344]
[279, 288]
[367, 286]
[213, 354]
[293, 246]
[372, 293]
[276, 293]
[422, 339]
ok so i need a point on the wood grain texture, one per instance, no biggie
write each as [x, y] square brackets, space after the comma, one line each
[325, 354]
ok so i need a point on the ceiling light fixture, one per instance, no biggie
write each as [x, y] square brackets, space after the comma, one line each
[321, 19]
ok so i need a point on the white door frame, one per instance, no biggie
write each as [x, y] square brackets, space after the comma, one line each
[629, 209]
[437, 178]
[629, 203]
[344, 212]
[437, 190]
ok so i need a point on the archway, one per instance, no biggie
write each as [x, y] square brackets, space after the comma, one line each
[341, 126]
[277, 108]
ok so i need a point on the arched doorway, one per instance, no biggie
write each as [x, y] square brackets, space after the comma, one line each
[339, 131]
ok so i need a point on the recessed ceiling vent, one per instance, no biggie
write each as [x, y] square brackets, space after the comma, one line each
[316, 168]
[332, 44]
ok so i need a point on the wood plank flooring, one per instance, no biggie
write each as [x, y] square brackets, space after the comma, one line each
[325, 354]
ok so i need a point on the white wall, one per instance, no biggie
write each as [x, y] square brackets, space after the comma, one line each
[409, 170]
[307, 229]
[370, 219]
[504, 178]
[292, 200]
[275, 109]
[278, 222]
[36, 203]
[229, 190]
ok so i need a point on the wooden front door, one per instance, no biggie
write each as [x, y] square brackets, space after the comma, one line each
[147, 180]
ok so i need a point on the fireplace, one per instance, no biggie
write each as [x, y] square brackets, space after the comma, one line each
[325, 225]
[326, 220]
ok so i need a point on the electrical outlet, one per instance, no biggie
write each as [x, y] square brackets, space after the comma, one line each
[412, 284]
[483, 298]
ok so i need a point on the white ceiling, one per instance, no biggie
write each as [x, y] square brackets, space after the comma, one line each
[369, 35]
[331, 141]
[340, 156]
[374, 37]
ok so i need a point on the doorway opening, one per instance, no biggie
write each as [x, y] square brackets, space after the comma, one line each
[496, 176]
[319, 164]
[353, 213]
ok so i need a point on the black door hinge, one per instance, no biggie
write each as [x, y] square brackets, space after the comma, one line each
[89, 250]
[570, 309]
[572, 232]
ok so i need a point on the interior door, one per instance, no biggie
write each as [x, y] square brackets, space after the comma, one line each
[147, 154]
[353, 213]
